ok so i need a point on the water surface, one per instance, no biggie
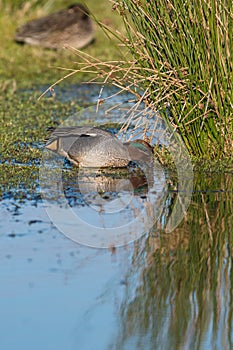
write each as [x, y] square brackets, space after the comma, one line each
[164, 290]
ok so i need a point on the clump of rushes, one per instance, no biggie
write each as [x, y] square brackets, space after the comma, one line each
[180, 64]
[188, 46]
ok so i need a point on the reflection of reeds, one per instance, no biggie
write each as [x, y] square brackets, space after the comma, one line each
[184, 298]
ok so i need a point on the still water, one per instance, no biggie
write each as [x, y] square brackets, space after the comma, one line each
[150, 288]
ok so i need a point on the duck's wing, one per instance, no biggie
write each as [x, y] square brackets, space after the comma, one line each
[39, 28]
[77, 131]
[62, 139]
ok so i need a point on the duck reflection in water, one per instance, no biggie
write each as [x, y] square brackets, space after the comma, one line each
[106, 185]
[105, 197]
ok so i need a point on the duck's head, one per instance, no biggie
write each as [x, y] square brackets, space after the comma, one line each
[140, 150]
[80, 9]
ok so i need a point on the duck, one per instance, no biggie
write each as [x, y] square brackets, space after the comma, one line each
[69, 27]
[93, 147]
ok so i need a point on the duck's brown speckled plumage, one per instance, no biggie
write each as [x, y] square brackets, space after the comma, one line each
[71, 26]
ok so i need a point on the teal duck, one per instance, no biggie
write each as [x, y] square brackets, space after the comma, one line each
[98, 148]
[71, 26]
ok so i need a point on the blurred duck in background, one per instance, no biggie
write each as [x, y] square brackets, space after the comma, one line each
[72, 27]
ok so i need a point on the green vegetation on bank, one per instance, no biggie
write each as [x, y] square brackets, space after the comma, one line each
[184, 52]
